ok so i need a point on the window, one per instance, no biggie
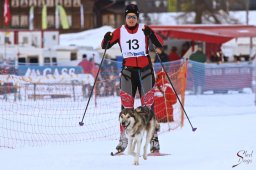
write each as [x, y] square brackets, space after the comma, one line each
[7, 40]
[33, 60]
[15, 3]
[24, 3]
[35, 42]
[47, 61]
[50, 21]
[67, 3]
[58, 2]
[70, 20]
[24, 40]
[54, 61]
[108, 19]
[49, 3]
[15, 21]
[24, 21]
[21, 60]
[73, 56]
[76, 3]
[40, 2]
[32, 3]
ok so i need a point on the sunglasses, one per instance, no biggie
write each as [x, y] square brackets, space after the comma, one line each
[131, 16]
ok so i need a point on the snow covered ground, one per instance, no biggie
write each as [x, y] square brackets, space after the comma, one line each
[225, 137]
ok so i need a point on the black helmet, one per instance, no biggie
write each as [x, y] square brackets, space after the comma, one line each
[132, 8]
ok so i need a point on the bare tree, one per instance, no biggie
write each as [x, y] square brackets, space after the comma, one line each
[211, 11]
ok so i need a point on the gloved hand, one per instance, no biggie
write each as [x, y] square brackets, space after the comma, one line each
[147, 31]
[108, 36]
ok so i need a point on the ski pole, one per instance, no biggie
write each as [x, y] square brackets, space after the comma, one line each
[82, 123]
[193, 128]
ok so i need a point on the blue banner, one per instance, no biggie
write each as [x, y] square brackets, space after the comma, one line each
[46, 70]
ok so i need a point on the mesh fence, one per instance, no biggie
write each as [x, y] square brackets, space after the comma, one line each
[38, 109]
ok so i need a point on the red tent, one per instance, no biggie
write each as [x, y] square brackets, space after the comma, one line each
[216, 34]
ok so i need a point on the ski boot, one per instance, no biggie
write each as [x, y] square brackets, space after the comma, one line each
[123, 142]
[154, 145]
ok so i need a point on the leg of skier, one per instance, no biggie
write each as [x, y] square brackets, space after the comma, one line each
[128, 86]
[147, 99]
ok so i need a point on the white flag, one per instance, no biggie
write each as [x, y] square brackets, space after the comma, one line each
[82, 15]
[31, 18]
[57, 17]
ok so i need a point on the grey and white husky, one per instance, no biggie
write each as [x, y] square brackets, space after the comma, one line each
[136, 123]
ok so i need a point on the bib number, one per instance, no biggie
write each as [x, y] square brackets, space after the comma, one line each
[133, 44]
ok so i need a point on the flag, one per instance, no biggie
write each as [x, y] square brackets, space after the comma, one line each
[57, 18]
[7, 13]
[82, 15]
[44, 17]
[172, 5]
[63, 17]
[31, 18]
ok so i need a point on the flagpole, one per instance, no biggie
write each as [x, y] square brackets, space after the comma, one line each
[5, 30]
[31, 18]
[57, 17]
[7, 18]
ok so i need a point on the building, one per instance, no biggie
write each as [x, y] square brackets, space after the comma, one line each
[81, 14]
[88, 14]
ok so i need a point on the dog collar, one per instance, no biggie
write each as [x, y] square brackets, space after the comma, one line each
[127, 125]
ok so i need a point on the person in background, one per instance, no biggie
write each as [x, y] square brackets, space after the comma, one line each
[198, 59]
[173, 56]
[85, 64]
[219, 56]
[137, 71]
[185, 47]
[163, 56]
[213, 57]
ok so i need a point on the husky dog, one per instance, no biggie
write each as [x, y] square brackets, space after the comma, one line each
[136, 123]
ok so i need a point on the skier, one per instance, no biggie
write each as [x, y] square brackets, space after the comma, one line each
[137, 71]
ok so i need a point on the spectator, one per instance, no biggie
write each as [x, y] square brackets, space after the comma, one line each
[184, 49]
[88, 67]
[85, 64]
[173, 55]
[198, 59]
[219, 56]
[213, 57]
[94, 67]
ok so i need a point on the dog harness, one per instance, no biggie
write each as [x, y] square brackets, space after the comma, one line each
[145, 113]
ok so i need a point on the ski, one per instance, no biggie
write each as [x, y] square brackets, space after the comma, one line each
[150, 154]
[158, 154]
[116, 153]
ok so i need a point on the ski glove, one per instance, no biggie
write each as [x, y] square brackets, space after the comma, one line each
[108, 36]
[147, 31]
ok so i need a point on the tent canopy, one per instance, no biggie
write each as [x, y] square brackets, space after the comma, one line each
[216, 34]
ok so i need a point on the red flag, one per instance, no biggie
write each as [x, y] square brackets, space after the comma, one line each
[7, 13]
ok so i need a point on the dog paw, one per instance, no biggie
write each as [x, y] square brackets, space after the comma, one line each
[136, 163]
[145, 157]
